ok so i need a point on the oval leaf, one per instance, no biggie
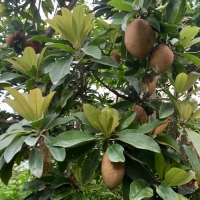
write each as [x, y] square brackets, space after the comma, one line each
[166, 109]
[180, 82]
[138, 191]
[115, 153]
[166, 192]
[36, 162]
[93, 51]
[139, 141]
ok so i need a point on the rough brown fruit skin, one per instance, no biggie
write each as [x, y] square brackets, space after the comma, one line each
[18, 35]
[161, 58]
[149, 82]
[141, 116]
[160, 129]
[27, 43]
[139, 38]
[116, 56]
[112, 172]
[10, 41]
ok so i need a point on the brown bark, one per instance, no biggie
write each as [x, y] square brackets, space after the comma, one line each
[47, 164]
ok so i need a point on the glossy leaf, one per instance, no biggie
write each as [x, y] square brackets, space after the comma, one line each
[93, 51]
[58, 153]
[192, 58]
[129, 16]
[90, 165]
[191, 80]
[66, 95]
[108, 61]
[154, 22]
[118, 17]
[180, 197]
[7, 76]
[60, 46]
[60, 69]
[138, 191]
[14, 147]
[31, 141]
[177, 177]
[35, 162]
[160, 165]
[34, 185]
[166, 109]
[166, 140]
[192, 157]
[6, 172]
[139, 141]
[76, 169]
[135, 83]
[115, 153]
[71, 138]
[126, 120]
[120, 5]
[166, 192]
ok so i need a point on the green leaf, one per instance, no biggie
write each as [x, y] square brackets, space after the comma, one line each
[34, 185]
[31, 141]
[61, 46]
[36, 162]
[166, 140]
[192, 157]
[160, 165]
[60, 69]
[79, 196]
[6, 172]
[57, 152]
[177, 177]
[90, 165]
[126, 120]
[42, 38]
[14, 147]
[166, 192]
[92, 114]
[7, 76]
[180, 82]
[175, 11]
[180, 197]
[72, 138]
[66, 95]
[76, 169]
[129, 16]
[192, 58]
[154, 22]
[108, 61]
[120, 5]
[138, 191]
[195, 138]
[146, 128]
[191, 80]
[115, 153]
[187, 34]
[93, 51]
[166, 109]
[134, 82]
[118, 17]
[5, 142]
[139, 141]
[61, 120]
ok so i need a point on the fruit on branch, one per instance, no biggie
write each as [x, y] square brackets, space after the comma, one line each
[18, 35]
[27, 43]
[139, 38]
[159, 129]
[161, 58]
[116, 56]
[141, 116]
[10, 41]
[148, 84]
[112, 172]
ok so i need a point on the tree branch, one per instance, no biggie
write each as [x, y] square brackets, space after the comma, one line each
[9, 121]
[112, 90]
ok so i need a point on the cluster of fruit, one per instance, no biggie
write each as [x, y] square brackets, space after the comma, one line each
[18, 41]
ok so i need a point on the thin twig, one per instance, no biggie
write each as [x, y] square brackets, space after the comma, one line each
[9, 121]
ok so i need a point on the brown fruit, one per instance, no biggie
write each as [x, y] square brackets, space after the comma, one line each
[148, 84]
[10, 41]
[26, 154]
[161, 58]
[159, 129]
[139, 38]
[116, 56]
[141, 116]
[112, 172]
[18, 35]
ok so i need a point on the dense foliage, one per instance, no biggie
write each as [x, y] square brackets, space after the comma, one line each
[105, 96]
